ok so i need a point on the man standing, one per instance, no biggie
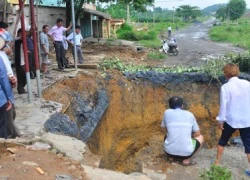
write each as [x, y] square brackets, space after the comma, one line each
[183, 137]
[12, 130]
[56, 34]
[169, 31]
[78, 42]
[44, 48]
[19, 63]
[234, 110]
[31, 56]
[6, 96]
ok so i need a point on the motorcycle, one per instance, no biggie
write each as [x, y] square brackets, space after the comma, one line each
[170, 47]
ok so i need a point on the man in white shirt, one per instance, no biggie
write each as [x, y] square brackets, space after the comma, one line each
[234, 110]
[56, 34]
[183, 137]
[169, 31]
[78, 42]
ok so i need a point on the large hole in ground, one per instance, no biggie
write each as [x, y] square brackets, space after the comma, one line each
[130, 112]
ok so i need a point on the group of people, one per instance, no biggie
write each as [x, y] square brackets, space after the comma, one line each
[8, 80]
[56, 33]
[60, 42]
[184, 138]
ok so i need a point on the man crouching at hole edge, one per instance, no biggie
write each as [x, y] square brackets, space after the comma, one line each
[183, 137]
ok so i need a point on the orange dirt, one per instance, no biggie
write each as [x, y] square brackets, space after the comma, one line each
[18, 165]
[134, 115]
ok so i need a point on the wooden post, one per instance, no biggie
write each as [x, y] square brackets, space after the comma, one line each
[108, 27]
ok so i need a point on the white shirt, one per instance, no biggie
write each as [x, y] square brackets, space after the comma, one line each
[78, 38]
[180, 125]
[22, 55]
[169, 28]
[7, 63]
[235, 103]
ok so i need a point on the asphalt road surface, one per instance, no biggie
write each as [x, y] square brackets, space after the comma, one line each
[195, 47]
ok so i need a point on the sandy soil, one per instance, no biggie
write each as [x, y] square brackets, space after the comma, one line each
[18, 162]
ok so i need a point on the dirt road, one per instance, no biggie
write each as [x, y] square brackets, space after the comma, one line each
[196, 47]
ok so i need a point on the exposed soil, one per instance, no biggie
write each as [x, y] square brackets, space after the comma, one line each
[18, 162]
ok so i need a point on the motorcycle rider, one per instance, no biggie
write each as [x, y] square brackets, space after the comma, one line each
[172, 43]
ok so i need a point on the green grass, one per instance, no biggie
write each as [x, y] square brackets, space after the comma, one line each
[236, 34]
[216, 173]
[153, 44]
[156, 55]
[150, 38]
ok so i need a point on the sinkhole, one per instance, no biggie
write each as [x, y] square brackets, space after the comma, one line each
[119, 115]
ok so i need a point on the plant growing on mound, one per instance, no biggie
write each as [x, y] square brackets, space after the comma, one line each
[132, 68]
[216, 173]
[243, 61]
[213, 68]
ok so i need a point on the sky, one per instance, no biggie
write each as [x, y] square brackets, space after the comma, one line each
[170, 4]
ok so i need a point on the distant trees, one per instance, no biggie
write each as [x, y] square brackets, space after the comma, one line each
[187, 12]
[234, 10]
[221, 13]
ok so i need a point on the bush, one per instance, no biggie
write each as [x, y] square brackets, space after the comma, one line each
[216, 173]
[124, 27]
[128, 35]
[243, 61]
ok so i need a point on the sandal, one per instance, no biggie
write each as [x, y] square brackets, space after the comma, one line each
[191, 163]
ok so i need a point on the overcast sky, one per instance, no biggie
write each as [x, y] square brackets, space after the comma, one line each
[200, 3]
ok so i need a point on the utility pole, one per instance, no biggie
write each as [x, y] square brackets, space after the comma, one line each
[153, 14]
[5, 11]
[173, 14]
[74, 30]
[228, 16]
[128, 16]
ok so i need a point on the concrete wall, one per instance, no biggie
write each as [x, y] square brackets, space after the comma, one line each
[46, 15]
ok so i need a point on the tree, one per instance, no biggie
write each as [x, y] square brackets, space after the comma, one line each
[221, 13]
[138, 5]
[187, 11]
[117, 10]
[236, 8]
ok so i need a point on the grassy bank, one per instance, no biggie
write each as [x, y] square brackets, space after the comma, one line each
[237, 34]
[148, 34]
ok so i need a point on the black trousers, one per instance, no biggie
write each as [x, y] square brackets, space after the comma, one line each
[60, 54]
[12, 130]
[32, 64]
[21, 79]
[3, 122]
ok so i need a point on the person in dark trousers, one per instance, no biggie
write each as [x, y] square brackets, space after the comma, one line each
[56, 34]
[19, 63]
[12, 130]
[31, 56]
[78, 42]
[234, 111]
[6, 97]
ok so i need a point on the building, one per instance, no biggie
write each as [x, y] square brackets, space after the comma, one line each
[49, 11]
